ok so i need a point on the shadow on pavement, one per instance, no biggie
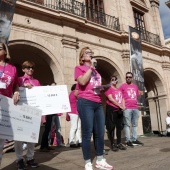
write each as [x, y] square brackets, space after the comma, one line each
[42, 157]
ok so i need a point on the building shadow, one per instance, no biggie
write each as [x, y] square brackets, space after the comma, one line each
[42, 157]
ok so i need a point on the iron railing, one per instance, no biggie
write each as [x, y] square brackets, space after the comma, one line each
[150, 37]
[70, 6]
[101, 18]
[78, 8]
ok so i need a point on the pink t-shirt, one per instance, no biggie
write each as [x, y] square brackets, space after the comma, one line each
[73, 103]
[116, 95]
[130, 93]
[9, 77]
[28, 79]
[88, 91]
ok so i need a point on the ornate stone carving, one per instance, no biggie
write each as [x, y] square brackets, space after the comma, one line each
[139, 5]
[70, 41]
[154, 3]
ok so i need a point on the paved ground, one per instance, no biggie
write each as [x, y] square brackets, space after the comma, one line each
[154, 155]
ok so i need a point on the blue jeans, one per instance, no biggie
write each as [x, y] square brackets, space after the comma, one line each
[92, 122]
[131, 116]
[56, 120]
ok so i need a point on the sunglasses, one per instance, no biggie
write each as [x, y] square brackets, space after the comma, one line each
[128, 77]
[89, 53]
[113, 80]
[29, 67]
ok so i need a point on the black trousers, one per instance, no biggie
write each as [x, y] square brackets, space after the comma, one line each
[114, 119]
[44, 140]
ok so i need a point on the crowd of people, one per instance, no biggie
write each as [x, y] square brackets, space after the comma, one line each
[87, 116]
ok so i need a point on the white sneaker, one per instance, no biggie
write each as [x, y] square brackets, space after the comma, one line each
[103, 165]
[88, 166]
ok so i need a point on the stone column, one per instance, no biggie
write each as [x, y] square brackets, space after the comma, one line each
[157, 20]
[166, 72]
[69, 53]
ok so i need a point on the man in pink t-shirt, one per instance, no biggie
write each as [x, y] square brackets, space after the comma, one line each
[131, 114]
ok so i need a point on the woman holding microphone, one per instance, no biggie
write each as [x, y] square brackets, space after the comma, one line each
[89, 106]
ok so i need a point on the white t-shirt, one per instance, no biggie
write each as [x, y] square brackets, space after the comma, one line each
[167, 123]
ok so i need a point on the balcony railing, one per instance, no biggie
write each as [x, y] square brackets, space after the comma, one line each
[150, 37]
[101, 18]
[78, 8]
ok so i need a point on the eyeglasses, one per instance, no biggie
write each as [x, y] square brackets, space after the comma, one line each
[128, 77]
[88, 52]
[29, 67]
[113, 79]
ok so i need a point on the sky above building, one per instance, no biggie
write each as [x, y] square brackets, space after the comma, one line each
[165, 18]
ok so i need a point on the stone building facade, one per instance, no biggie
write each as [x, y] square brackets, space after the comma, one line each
[52, 33]
[167, 42]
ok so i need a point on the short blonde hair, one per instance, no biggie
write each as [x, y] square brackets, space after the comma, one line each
[27, 63]
[82, 53]
[5, 47]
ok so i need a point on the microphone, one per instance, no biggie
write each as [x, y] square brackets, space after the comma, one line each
[95, 65]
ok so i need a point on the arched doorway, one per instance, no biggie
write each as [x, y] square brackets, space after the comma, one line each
[155, 101]
[46, 70]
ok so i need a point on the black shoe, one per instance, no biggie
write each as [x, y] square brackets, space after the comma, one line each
[21, 165]
[44, 150]
[129, 143]
[49, 148]
[115, 148]
[74, 146]
[79, 144]
[121, 146]
[136, 142]
[32, 163]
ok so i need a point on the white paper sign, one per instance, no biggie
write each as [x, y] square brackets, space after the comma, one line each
[49, 99]
[21, 123]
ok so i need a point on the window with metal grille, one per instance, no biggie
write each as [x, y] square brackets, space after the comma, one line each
[139, 23]
[139, 20]
[95, 11]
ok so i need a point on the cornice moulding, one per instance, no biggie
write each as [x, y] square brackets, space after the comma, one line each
[136, 4]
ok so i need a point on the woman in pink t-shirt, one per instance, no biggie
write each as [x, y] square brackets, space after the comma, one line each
[75, 127]
[89, 107]
[8, 81]
[114, 114]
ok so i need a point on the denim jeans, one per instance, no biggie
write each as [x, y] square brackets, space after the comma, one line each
[92, 122]
[19, 150]
[57, 122]
[131, 116]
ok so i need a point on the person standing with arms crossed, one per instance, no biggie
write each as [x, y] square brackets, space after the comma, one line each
[131, 113]
[114, 114]
[8, 82]
[29, 82]
[90, 109]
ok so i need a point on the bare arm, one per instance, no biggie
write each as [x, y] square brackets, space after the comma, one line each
[114, 102]
[16, 95]
[83, 80]
[76, 93]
